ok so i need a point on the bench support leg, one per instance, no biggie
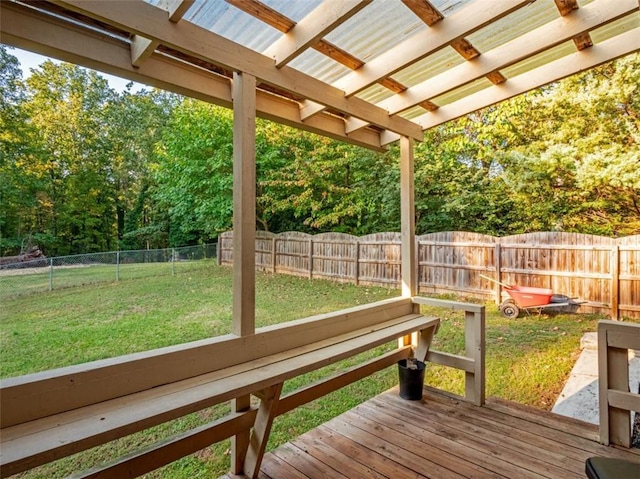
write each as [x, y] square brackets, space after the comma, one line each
[261, 430]
[424, 342]
[240, 442]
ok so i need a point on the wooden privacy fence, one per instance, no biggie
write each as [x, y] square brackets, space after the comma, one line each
[602, 272]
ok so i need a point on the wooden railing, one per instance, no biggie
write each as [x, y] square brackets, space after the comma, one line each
[615, 340]
[50, 415]
[473, 363]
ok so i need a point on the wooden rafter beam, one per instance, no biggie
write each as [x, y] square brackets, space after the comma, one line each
[616, 47]
[565, 7]
[543, 38]
[424, 10]
[142, 48]
[464, 22]
[140, 18]
[311, 37]
[52, 36]
[268, 15]
[176, 8]
[338, 54]
[431, 15]
[310, 30]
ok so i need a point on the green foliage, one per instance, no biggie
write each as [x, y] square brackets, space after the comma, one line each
[194, 174]
[84, 168]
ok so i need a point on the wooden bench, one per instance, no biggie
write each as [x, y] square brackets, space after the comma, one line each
[50, 415]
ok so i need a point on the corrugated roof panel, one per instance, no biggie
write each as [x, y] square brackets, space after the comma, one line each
[521, 21]
[616, 28]
[426, 68]
[375, 93]
[463, 91]
[562, 50]
[413, 112]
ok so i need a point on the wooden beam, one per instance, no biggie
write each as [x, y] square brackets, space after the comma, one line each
[24, 28]
[141, 49]
[547, 36]
[244, 203]
[338, 54]
[424, 10]
[165, 452]
[566, 6]
[465, 49]
[268, 15]
[466, 21]
[308, 31]
[616, 47]
[141, 18]
[176, 8]
[407, 218]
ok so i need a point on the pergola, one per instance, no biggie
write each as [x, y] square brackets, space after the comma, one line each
[367, 72]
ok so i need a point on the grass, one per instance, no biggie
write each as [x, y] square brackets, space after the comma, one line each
[527, 359]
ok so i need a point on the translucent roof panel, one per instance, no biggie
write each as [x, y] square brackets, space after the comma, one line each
[512, 26]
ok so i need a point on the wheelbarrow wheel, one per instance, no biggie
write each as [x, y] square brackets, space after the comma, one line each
[509, 309]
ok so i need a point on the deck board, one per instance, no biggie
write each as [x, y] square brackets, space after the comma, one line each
[441, 437]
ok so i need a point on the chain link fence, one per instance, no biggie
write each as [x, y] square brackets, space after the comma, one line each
[46, 274]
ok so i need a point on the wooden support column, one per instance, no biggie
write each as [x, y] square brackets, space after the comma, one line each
[244, 232]
[407, 228]
[244, 203]
[407, 217]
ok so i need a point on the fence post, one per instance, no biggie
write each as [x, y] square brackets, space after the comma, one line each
[219, 250]
[117, 265]
[173, 261]
[273, 255]
[50, 274]
[615, 281]
[357, 264]
[311, 258]
[498, 262]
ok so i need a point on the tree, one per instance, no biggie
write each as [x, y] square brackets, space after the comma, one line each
[134, 124]
[66, 108]
[194, 175]
[17, 190]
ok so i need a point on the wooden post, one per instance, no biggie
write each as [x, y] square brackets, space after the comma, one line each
[357, 264]
[613, 375]
[407, 217]
[244, 232]
[219, 250]
[244, 203]
[311, 258]
[474, 328]
[498, 263]
[273, 255]
[615, 281]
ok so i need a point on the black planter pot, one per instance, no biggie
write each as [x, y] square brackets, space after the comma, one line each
[411, 380]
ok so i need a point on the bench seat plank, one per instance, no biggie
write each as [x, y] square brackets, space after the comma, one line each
[28, 445]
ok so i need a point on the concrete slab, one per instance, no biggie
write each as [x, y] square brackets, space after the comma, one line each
[579, 397]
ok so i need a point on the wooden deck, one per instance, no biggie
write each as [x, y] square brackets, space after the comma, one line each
[440, 438]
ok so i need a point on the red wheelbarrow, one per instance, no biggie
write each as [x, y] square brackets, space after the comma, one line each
[525, 298]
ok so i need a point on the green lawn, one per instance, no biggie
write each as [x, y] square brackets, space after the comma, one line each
[528, 359]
